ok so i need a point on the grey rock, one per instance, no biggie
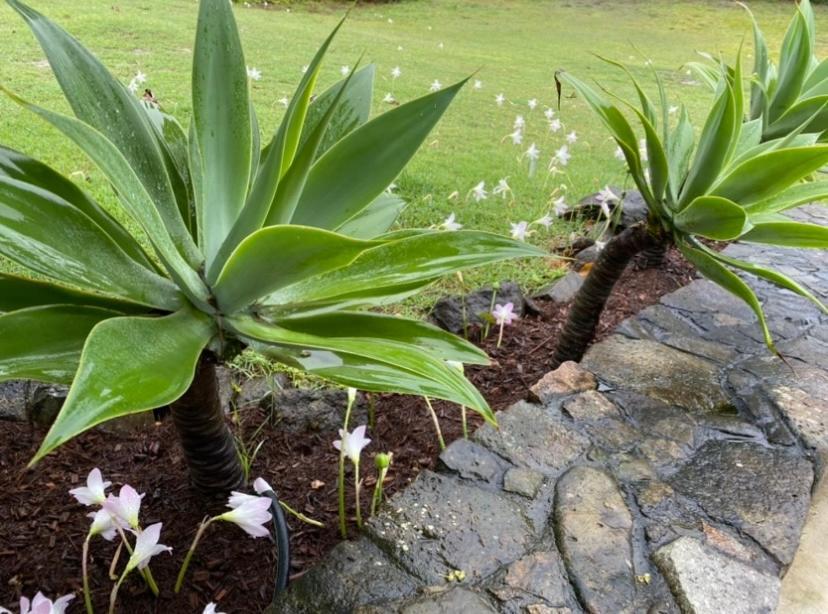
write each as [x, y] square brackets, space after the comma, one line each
[13, 400]
[707, 582]
[311, 409]
[455, 313]
[439, 524]
[537, 580]
[569, 378]
[451, 601]
[564, 289]
[353, 574]
[634, 208]
[530, 436]
[45, 403]
[762, 491]
[522, 482]
[472, 461]
[585, 257]
[658, 371]
[590, 406]
[594, 532]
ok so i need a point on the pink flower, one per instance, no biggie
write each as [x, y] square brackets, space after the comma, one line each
[93, 493]
[146, 547]
[504, 314]
[261, 486]
[251, 515]
[125, 506]
[41, 605]
[102, 524]
[210, 608]
[352, 444]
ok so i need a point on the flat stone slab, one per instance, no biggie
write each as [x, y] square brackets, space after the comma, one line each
[452, 601]
[569, 378]
[439, 525]
[472, 461]
[532, 437]
[658, 371]
[538, 579]
[760, 490]
[705, 581]
[594, 532]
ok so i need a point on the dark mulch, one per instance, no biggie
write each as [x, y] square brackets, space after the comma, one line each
[42, 528]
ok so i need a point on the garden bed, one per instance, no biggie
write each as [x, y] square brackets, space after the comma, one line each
[42, 528]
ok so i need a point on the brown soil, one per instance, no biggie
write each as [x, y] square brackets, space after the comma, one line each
[42, 528]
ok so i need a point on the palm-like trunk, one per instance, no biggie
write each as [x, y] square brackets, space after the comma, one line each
[651, 258]
[586, 309]
[208, 445]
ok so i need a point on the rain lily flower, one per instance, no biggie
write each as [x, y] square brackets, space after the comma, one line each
[352, 444]
[440, 46]
[516, 136]
[396, 72]
[389, 98]
[304, 69]
[503, 315]
[344, 70]
[137, 80]
[545, 221]
[146, 547]
[42, 605]
[103, 525]
[283, 101]
[502, 188]
[254, 73]
[532, 104]
[619, 154]
[479, 192]
[519, 122]
[606, 194]
[571, 138]
[449, 224]
[125, 506]
[261, 486]
[500, 99]
[562, 156]
[549, 113]
[560, 206]
[672, 110]
[93, 493]
[599, 245]
[533, 153]
[210, 608]
[435, 86]
[555, 125]
[520, 231]
[251, 515]
[478, 84]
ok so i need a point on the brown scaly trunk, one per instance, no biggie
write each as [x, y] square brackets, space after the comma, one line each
[651, 258]
[585, 312]
[208, 445]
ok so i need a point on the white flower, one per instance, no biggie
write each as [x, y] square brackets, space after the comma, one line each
[502, 188]
[599, 245]
[391, 187]
[478, 84]
[93, 493]
[479, 192]
[562, 156]
[396, 72]
[41, 605]
[102, 524]
[137, 80]
[520, 230]
[352, 444]
[504, 314]
[545, 221]
[672, 110]
[210, 608]
[533, 153]
[449, 224]
[571, 137]
[606, 194]
[344, 70]
[516, 136]
[440, 46]
[389, 98]
[125, 506]
[261, 486]
[237, 499]
[619, 154]
[549, 113]
[555, 125]
[304, 69]
[500, 99]
[532, 104]
[254, 73]
[519, 122]
[435, 86]
[146, 547]
[560, 206]
[250, 515]
[283, 101]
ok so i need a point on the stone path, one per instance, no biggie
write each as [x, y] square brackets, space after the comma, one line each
[671, 471]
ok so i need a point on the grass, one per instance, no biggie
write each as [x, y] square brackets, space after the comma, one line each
[512, 47]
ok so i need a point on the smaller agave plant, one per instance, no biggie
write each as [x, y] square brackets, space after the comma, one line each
[786, 96]
[728, 185]
[276, 247]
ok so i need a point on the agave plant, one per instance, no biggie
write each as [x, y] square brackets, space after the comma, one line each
[728, 185]
[787, 95]
[276, 247]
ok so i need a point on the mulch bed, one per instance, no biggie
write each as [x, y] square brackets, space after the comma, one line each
[42, 528]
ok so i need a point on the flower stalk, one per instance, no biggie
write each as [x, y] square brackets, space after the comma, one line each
[436, 423]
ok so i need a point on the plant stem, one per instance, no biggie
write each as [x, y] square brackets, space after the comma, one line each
[113, 597]
[376, 499]
[186, 564]
[87, 598]
[500, 334]
[356, 495]
[465, 423]
[300, 515]
[145, 572]
[114, 564]
[436, 424]
[343, 529]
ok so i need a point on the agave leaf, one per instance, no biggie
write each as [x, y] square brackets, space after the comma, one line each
[796, 195]
[679, 153]
[130, 365]
[278, 256]
[338, 186]
[22, 293]
[405, 262]
[816, 77]
[749, 139]
[659, 168]
[710, 75]
[813, 109]
[45, 234]
[767, 174]
[221, 115]
[758, 94]
[375, 219]
[45, 343]
[103, 103]
[727, 279]
[16, 165]
[403, 331]
[646, 104]
[794, 60]
[789, 234]
[451, 384]
[713, 217]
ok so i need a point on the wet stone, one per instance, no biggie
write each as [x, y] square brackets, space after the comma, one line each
[658, 371]
[762, 491]
[472, 461]
[452, 601]
[564, 289]
[538, 579]
[705, 581]
[569, 378]
[522, 482]
[594, 532]
[311, 409]
[439, 524]
[13, 396]
[456, 313]
[531, 436]
[590, 406]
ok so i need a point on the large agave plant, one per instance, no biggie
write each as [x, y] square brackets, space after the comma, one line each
[275, 247]
[728, 185]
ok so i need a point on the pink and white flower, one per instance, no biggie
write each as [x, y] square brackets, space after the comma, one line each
[352, 444]
[102, 524]
[94, 491]
[42, 605]
[251, 515]
[504, 314]
[146, 547]
[126, 506]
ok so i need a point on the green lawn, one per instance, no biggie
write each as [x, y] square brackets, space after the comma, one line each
[514, 47]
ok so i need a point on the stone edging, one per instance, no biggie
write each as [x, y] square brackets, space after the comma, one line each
[671, 471]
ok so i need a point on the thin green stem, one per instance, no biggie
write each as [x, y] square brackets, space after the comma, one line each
[376, 499]
[186, 564]
[300, 515]
[356, 495]
[436, 423]
[500, 334]
[145, 572]
[464, 421]
[87, 597]
[343, 528]
[113, 597]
